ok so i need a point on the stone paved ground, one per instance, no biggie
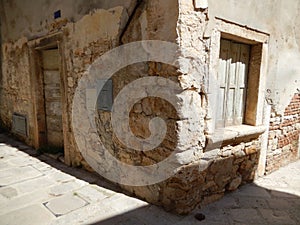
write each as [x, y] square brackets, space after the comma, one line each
[40, 190]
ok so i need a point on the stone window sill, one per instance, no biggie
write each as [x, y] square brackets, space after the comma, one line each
[233, 135]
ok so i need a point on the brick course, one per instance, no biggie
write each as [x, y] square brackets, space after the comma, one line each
[283, 136]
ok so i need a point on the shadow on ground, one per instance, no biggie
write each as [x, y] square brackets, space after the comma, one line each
[250, 204]
[90, 177]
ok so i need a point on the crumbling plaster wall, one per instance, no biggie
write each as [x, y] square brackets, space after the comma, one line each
[203, 176]
[148, 23]
[283, 140]
[209, 174]
[34, 19]
[85, 35]
[15, 90]
[86, 40]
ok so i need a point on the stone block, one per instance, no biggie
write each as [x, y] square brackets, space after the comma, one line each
[65, 204]
[8, 192]
[66, 187]
[279, 203]
[25, 216]
[211, 198]
[234, 184]
[32, 185]
[250, 150]
[15, 175]
[91, 193]
[60, 176]
[242, 216]
[276, 217]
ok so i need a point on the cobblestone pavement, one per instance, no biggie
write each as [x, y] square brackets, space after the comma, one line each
[36, 189]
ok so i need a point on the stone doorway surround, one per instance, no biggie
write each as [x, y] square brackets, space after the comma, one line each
[36, 47]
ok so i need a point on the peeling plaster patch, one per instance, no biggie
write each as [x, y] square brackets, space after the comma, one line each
[94, 26]
[288, 78]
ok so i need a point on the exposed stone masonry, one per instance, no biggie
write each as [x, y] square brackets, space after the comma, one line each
[15, 91]
[203, 176]
[200, 183]
[284, 136]
[191, 187]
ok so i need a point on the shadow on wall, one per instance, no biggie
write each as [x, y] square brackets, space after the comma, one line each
[2, 127]
[1, 123]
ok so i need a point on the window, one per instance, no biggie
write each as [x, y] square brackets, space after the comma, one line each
[232, 77]
[236, 85]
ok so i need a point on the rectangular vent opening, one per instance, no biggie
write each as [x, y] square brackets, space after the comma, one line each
[19, 125]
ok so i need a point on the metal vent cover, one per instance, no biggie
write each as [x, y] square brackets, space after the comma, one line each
[19, 124]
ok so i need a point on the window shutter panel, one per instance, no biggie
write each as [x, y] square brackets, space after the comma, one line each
[231, 84]
[232, 77]
[241, 83]
[222, 79]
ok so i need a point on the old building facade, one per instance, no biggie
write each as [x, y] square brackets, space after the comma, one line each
[236, 116]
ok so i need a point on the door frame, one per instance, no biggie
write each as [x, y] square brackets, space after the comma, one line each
[37, 88]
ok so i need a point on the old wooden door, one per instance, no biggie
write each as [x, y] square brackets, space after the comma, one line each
[52, 96]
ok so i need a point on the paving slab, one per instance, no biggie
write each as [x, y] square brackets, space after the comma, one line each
[33, 214]
[66, 187]
[33, 185]
[65, 204]
[118, 200]
[36, 197]
[18, 174]
[89, 214]
[252, 191]
[245, 216]
[5, 165]
[279, 203]
[277, 217]
[250, 202]
[152, 214]
[91, 193]
[40, 190]
[122, 220]
[8, 192]
[3, 198]
[58, 176]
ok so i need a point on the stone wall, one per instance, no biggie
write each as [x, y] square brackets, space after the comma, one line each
[83, 37]
[283, 146]
[86, 40]
[200, 183]
[203, 174]
[144, 25]
[16, 90]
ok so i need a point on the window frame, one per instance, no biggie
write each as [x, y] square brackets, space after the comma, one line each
[255, 100]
